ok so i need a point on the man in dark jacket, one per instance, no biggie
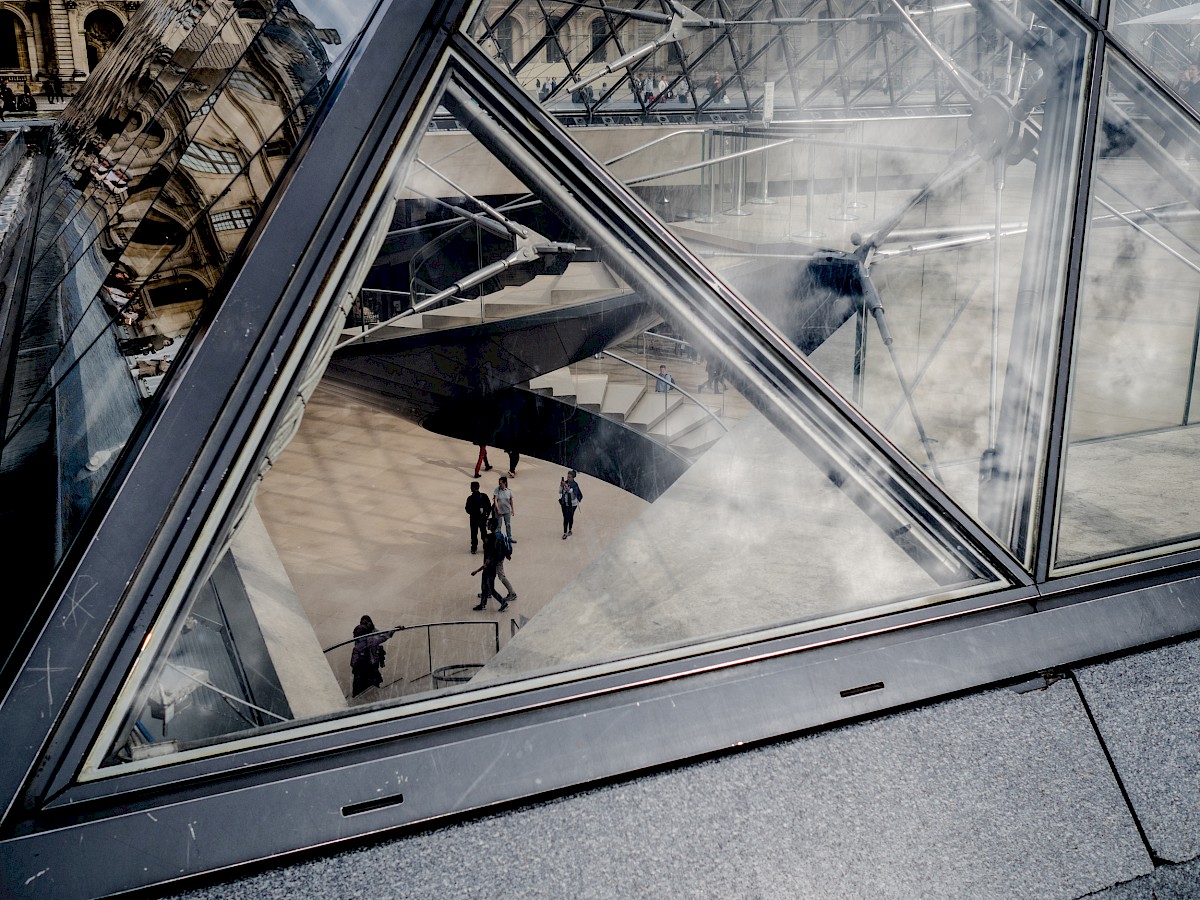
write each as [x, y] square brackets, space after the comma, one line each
[478, 507]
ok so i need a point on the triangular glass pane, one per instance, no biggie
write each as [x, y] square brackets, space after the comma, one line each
[489, 311]
[1128, 485]
[871, 156]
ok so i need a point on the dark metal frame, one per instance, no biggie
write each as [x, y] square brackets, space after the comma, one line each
[342, 784]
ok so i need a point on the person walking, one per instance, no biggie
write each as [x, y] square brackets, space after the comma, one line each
[493, 552]
[514, 457]
[478, 507]
[482, 460]
[716, 378]
[505, 506]
[569, 498]
[504, 549]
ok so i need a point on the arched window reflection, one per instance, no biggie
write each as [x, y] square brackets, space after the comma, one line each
[504, 39]
[100, 31]
[13, 54]
[599, 40]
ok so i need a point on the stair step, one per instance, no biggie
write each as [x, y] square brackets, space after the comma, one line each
[404, 326]
[653, 408]
[561, 296]
[559, 383]
[620, 399]
[683, 419]
[455, 314]
[589, 390]
[699, 439]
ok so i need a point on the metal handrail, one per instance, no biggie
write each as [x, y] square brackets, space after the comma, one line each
[712, 415]
[657, 140]
[713, 161]
[391, 632]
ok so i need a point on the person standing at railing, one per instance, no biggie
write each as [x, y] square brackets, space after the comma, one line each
[569, 498]
[478, 507]
[368, 656]
[664, 382]
[505, 506]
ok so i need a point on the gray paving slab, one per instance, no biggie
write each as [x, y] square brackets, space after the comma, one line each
[1167, 882]
[995, 795]
[1147, 708]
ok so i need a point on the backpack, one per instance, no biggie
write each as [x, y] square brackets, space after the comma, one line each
[503, 544]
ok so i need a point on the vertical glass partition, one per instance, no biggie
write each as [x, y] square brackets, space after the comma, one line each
[1128, 482]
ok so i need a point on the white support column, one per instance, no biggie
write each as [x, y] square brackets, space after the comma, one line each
[33, 43]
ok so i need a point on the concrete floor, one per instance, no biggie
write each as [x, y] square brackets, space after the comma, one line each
[366, 514]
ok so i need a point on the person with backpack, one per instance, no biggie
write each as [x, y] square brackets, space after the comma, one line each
[493, 553]
[569, 498]
[505, 552]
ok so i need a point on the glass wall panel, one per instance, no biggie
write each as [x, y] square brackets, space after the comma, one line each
[831, 163]
[192, 116]
[1162, 34]
[495, 337]
[1129, 476]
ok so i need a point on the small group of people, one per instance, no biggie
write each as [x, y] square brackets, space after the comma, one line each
[54, 88]
[11, 102]
[496, 549]
[483, 463]
[651, 88]
[487, 515]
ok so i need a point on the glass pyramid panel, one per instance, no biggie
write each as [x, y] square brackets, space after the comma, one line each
[495, 336]
[858, 158]
[169, 153]
[1129, 474]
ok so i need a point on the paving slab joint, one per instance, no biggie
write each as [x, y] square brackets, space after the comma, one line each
[1155, 858]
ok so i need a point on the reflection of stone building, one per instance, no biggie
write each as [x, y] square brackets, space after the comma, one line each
[67, 37]
[201, 149]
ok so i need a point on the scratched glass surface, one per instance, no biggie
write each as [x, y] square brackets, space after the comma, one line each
[485, 313]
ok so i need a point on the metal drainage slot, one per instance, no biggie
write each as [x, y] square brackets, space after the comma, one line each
[862, 689]
[355, 809]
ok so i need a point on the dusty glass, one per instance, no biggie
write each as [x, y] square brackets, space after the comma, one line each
[491, 334]
[891, 185]
[1128, 476]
